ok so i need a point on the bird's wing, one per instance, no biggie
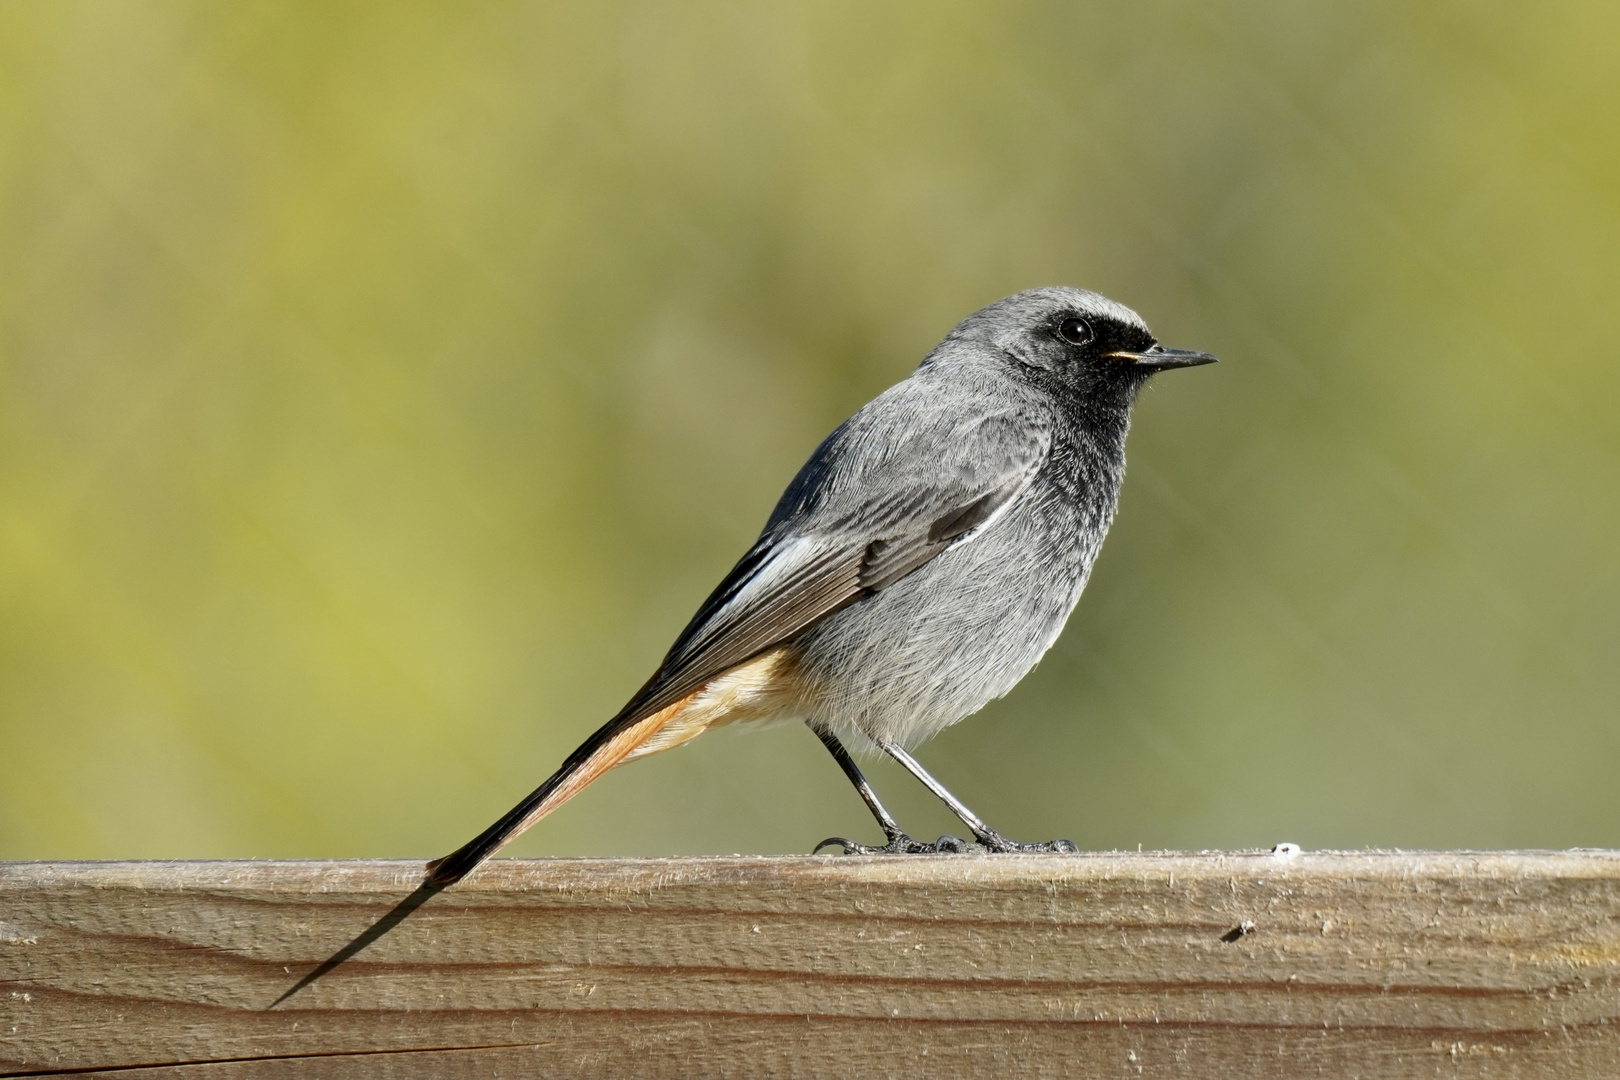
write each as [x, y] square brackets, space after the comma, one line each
[862, 532]
[876, 501]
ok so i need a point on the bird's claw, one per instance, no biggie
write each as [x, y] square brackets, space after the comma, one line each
[991, 841]
[994, 841]
[900, 844]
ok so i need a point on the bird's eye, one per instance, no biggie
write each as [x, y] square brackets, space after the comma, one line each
[1075, 331]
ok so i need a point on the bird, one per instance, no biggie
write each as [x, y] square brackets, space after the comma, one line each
[916, 568]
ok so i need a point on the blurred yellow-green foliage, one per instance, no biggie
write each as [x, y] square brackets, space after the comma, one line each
[383, 385]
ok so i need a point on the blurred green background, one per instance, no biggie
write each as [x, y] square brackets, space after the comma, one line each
[382, 386]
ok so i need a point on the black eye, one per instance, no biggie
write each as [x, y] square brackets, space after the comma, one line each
[1075, 331]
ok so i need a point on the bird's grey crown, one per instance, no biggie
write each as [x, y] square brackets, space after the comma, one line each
[1000, 323]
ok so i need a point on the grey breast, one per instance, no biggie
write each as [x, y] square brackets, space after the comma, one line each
[963, 629]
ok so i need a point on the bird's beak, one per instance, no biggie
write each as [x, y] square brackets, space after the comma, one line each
[1158, 358]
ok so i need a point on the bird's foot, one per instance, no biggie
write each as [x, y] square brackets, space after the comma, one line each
[994, 841]
[900, 844]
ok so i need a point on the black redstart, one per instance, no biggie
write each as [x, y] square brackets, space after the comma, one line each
[917, 567]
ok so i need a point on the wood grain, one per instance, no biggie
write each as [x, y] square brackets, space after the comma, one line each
[1353, 964]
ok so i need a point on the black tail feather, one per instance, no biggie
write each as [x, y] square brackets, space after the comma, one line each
[465, 859]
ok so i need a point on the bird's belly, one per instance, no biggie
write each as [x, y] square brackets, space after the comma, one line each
[939, 644]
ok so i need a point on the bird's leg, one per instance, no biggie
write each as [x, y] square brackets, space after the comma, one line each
[981, 832]
[899, 842]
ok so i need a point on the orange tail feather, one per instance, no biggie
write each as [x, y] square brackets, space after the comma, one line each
[568, 781]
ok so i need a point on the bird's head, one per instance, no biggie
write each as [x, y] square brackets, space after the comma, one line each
[1075, 341]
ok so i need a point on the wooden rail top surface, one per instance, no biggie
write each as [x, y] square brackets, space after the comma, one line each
[1370, 964]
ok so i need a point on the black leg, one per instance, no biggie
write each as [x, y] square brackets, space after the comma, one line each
[899, 843]
[981, 832]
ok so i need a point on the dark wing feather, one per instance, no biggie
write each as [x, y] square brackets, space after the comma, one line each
[768, 603]
[891, 559]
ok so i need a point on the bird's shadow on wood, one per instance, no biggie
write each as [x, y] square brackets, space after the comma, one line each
[422, 895]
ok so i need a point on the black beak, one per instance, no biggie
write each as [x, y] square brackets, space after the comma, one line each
[1158, 358]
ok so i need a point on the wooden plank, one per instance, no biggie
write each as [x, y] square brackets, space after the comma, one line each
[1353, 964]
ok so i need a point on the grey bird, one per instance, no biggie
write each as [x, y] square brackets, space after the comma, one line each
[916, 568]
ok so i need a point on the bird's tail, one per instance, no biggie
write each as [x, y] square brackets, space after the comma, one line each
[611, 744]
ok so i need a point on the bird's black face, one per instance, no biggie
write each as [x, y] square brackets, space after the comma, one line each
[1092, 347]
